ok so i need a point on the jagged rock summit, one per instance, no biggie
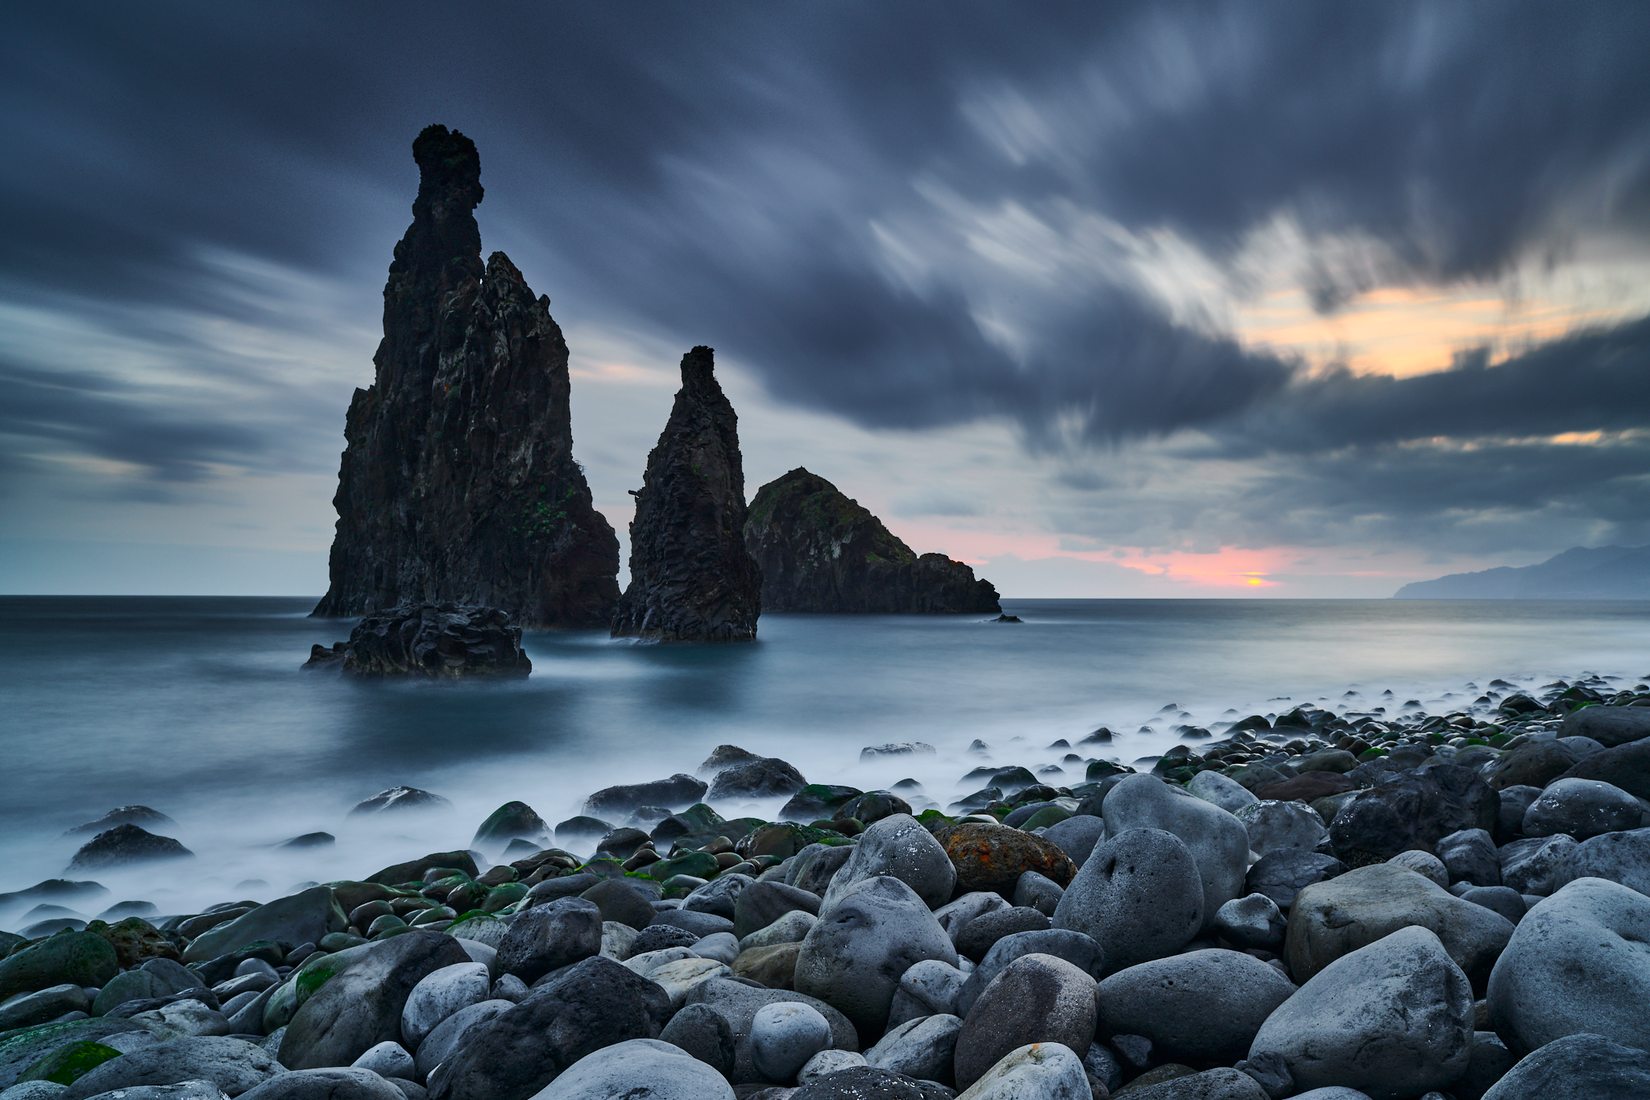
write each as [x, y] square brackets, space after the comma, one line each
[458, 483]
[691, 578]
[820, 550]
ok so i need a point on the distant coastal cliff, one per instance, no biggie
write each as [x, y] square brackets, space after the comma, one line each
[1602, 573]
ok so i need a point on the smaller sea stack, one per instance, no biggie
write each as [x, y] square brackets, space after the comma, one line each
[691, 578]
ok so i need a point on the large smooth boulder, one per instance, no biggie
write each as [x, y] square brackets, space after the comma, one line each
[1199, 1008]
[864, 940]
[84, 958]
[1625, 766]
[438, 995]
[1222, 790]
[1619, 857]
[1039, 1071]
[1393, 1019]
[1076, 836]
[1216, 840]
[1576, 1067]
[1036, 999]
[1272, 825]
[594, 1004]
[1582, 808]
[1577, 963]
[638, 1069]
[303, 917]
[547, 937]
[1077, 948]
[993, 857]
[1609, 726]
[1139, 896]
[900, 847]
[1411, 810]
[330, 1083]
[233, 1065]
[362, 1006]
[1334, 918]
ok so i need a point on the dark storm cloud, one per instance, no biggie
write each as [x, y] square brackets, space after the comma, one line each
[1590, 381]
[748, 180]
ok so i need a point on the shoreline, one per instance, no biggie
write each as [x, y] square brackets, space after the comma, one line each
[1430, 835]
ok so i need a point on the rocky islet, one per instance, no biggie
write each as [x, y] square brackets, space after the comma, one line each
[880, 944]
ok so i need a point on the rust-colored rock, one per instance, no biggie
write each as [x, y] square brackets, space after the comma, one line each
[993, 857]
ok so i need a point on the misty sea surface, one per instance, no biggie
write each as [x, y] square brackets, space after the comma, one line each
[199, 708]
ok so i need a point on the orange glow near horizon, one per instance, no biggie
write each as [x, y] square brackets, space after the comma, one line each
[1407, 331]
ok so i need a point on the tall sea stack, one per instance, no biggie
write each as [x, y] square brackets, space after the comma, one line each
[691, 578]
[820, 550]
[458, 482]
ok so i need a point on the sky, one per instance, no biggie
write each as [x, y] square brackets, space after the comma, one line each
[1160, 299]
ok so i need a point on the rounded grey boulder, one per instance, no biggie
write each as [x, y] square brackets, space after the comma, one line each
[330, 1083]
[1577, 963]
[864, 940]
[1271, 825]
[1036, 999]
[900, 847]
[638, 1069]
[1619, 857]
[1582, 808]
[1393, 1019]
[1576, 1067]
[548, 937]
[1202, 1008]
[1218, 842]
[233, 1065]
[1038, 1071]
[924, 1048]
[1139, 896]
[784, 1035]
[1332, 918]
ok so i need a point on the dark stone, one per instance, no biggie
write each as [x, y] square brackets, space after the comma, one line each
[123, 815]
[126, 844]
[677, 792]
[764, 902]
[548, 937]
[1534, 764]
[764, 777]
[866, 1083]
[361, 1006]
[1282, 874]
[821, 551]
[511, 821]
[1305, 788]
[979, 935]
[396, 799]
[691, 578]
[515, 1054]
[1035, 999]
[458, 481]
[1625, 766]
[413, 870]
[435, 640]
[1609, 726]
[1411, 811]
[1577, 1067]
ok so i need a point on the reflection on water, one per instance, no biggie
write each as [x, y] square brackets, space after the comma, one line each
[198, 706]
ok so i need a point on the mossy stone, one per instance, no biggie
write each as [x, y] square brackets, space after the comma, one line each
[67, 1064]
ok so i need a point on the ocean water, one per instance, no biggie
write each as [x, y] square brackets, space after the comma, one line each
[199, 708]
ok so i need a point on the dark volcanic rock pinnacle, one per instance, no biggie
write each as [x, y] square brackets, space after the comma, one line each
[691, 578]
[821, 551]
[458, 482]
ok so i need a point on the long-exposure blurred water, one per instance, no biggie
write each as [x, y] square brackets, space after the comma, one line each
[198, 707]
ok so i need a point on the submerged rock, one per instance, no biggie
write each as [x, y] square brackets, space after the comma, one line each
[458, 481]
[820, 550]
[691, 578]
[440, 641]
